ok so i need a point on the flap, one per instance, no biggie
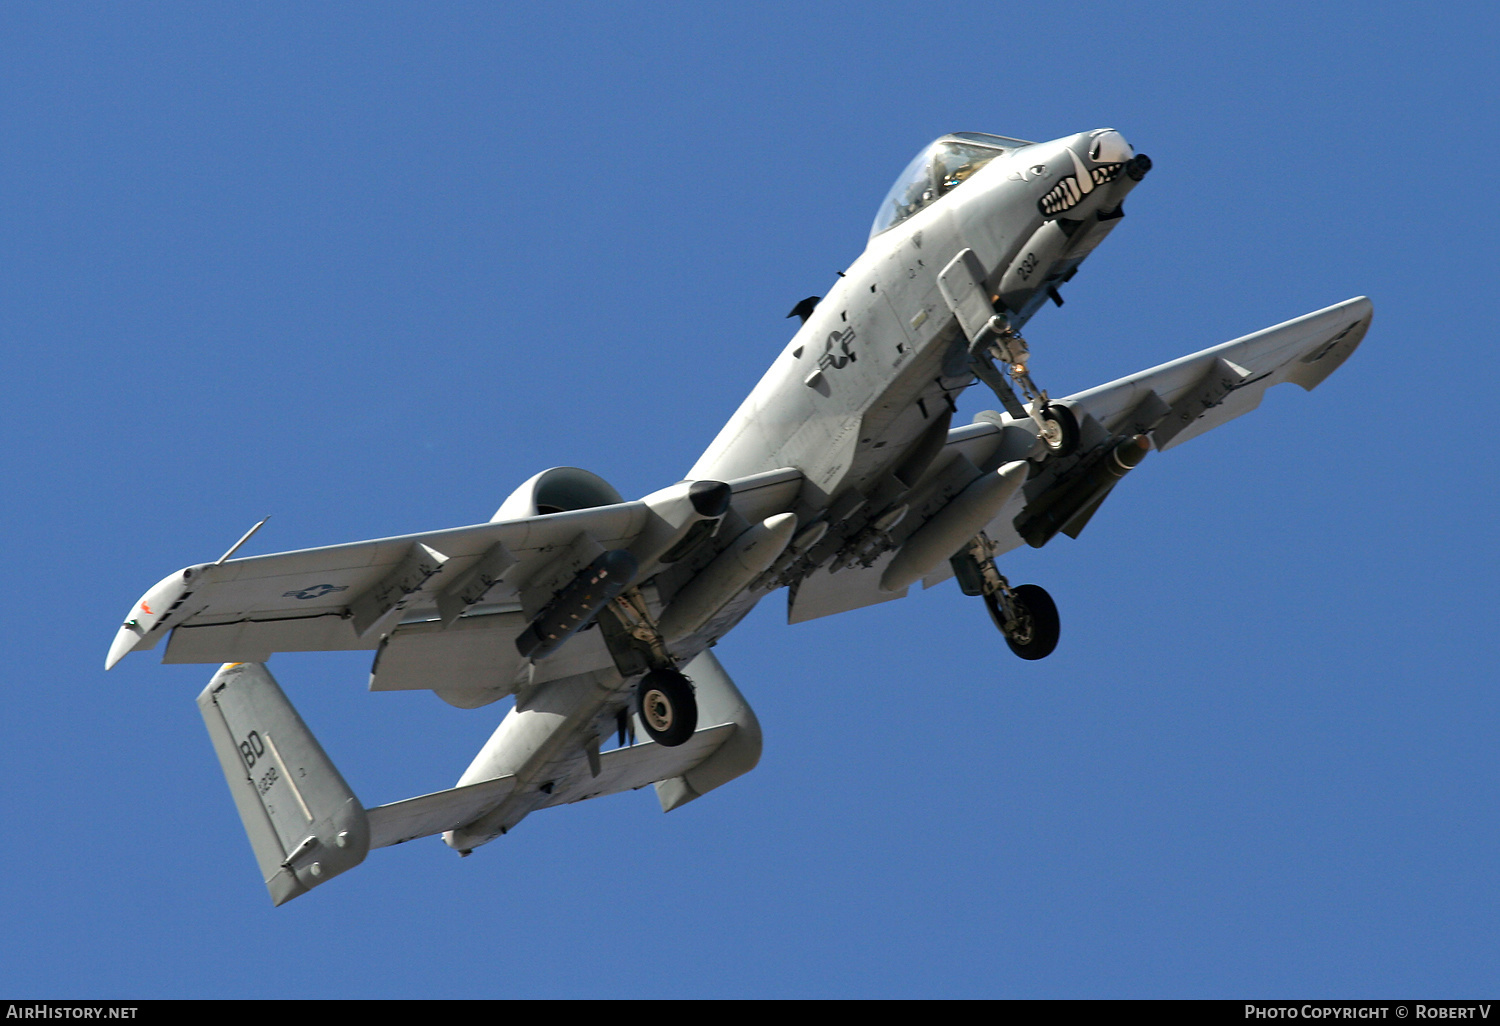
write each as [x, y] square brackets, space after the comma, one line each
[823, 594]
[474, 659]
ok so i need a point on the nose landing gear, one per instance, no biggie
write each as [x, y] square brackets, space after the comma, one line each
[1059, 430]
[1056, 425]
[992, 337]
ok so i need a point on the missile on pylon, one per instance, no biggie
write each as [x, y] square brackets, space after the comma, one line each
[963, 518]
[1069, 503]
[731, 571]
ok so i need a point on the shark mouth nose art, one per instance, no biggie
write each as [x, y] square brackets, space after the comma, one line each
[1068, 193]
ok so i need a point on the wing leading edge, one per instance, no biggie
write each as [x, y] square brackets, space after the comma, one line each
[1199, 392]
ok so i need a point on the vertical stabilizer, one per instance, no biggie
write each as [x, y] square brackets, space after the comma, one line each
[719, 702]
[304, 823]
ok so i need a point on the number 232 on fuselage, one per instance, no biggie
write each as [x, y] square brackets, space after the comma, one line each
[840, 478]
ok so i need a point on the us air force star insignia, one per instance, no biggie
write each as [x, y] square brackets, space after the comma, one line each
[316, 591]
[830, 358]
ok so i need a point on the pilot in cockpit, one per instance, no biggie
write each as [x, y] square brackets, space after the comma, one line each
[938, 169]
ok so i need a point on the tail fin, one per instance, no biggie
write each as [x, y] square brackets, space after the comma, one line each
[719, 701]
[303, 821]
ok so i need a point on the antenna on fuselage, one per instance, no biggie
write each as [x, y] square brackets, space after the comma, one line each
[805, 308]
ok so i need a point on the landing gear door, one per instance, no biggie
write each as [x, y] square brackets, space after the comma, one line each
[962, 285]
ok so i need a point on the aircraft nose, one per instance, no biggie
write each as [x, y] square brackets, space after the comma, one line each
[1099, 168]
[1106, 146]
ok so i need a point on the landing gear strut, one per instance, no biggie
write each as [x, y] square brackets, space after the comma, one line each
[1056, 425]
[664, 699]
[1025, 615]
[992, 337]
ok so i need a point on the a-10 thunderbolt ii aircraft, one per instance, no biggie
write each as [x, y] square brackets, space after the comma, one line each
[841, 478]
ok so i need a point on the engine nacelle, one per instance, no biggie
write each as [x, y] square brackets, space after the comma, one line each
[557, 491]
[683, 515]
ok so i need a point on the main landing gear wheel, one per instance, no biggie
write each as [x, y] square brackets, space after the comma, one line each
[1037, 626]
[664, 701]
[1059, 431]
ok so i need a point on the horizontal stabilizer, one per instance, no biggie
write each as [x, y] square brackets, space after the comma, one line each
[624, 769]
[635, 766]
[434, 813]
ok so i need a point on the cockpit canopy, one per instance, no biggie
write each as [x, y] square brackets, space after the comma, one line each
[939, 169]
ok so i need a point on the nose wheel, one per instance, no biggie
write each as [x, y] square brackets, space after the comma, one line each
[668, 710]
[1058, 430]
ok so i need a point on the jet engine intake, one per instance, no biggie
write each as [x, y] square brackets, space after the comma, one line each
[557, 491]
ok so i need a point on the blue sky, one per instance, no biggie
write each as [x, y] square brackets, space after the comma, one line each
[368, 267]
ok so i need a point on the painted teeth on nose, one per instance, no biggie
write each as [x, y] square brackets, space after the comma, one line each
[1067, 193]
[1061, 196]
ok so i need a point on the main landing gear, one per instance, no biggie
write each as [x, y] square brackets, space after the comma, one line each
[1025, 615]
[668, 710]
[664, 700]
[1028, 620]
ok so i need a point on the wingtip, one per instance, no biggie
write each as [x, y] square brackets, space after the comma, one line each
[150, 611]
[125, 640]
[1362, 304]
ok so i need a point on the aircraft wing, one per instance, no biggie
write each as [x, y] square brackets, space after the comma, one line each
[459, 595]
[1196, 393]
[1171, 404]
